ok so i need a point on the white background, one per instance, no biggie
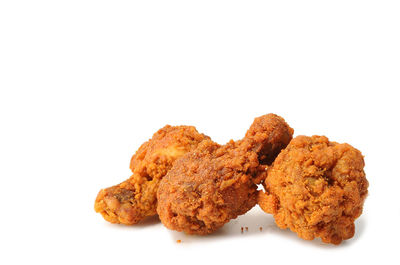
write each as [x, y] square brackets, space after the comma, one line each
[85, 83]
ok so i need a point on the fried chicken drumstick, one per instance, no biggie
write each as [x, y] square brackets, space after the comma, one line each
[214, 183]
[135, 198]
[316, 188]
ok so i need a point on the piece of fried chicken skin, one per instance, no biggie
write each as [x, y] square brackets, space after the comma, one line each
[136, 198]
[316, 188]
[215, 183]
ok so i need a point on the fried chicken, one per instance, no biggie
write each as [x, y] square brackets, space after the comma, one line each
[135, 198]
[214, 183]
[316, 188]
[268, 135]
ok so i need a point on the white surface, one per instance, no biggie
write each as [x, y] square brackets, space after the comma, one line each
[84, 83]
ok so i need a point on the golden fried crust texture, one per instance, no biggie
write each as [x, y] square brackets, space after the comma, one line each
[269, 134]
[135, 198]
[316, 188]
[215, 183]
[208, 187]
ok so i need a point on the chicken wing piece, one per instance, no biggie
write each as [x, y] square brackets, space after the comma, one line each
[214, 183]
[316, 188]
[135, 198]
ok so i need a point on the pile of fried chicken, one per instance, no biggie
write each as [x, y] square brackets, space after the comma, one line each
[312, 186]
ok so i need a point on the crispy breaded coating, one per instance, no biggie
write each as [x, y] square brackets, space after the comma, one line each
[316, 188]
[215, 183]
[208, 187]
[135, 198]
[269, 135]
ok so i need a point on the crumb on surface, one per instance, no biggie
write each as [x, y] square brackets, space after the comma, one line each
[178, 241]
[241, 229]
[260, 228]
[247, 229]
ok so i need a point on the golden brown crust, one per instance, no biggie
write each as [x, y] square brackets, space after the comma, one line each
[269, 134]
[208, 187]
[316, 188]
[213, 184]
[135, 198]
